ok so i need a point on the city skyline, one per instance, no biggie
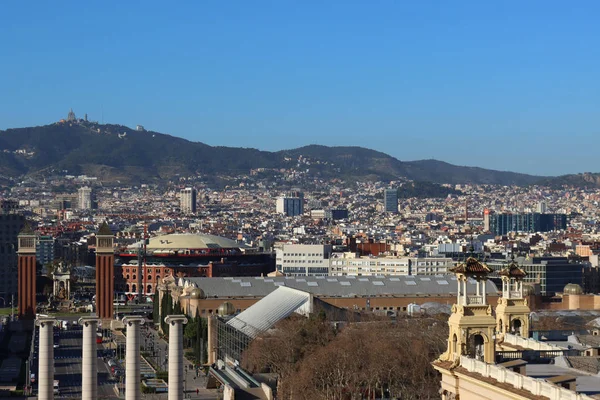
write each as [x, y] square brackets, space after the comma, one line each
[416, 81]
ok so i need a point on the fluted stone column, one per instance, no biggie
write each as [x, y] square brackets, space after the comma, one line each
[46, 358]
[89, 364]
[211, 340]
[176, 323]
[133, 390]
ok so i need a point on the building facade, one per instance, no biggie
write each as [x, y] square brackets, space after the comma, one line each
[188, 200]
[45, 250]
[11, 223]
[85, 198]
[501, 224]
[187, 255]
[551, 273]
[390, 200]
[342, 264]
[290, 206]
[303, 259]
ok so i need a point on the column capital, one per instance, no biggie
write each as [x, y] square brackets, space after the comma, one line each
[85, 321]
[129, 321]
[42, 320]
[173, 319]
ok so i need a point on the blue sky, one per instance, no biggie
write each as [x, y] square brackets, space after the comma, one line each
[509, 85]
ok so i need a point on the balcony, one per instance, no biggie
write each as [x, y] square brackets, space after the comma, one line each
[475, 300]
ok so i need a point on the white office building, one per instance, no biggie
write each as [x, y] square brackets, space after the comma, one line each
[303, 259]
[343, 264]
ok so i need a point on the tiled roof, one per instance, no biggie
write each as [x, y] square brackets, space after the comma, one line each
[471, 266]
[340, 286]
[26, 230]
[513, 271]
[104, 230]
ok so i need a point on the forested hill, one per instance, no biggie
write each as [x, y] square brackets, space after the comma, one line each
[115, 152]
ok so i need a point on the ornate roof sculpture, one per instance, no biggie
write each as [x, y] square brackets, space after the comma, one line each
[471, 266]
[513, 270]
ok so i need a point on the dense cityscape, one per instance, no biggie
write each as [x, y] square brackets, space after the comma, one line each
[339, 200]
[196, 278]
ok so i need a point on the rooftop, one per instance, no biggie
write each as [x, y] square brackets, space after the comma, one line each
[178, 241]
[343, 286]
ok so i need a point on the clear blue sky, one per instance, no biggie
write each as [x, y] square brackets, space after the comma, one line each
[510, 85]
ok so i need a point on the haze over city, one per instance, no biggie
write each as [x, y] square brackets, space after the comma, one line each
[507, 86]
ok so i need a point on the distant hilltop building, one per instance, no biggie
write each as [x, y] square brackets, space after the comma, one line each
[140, 128]
[71, 116]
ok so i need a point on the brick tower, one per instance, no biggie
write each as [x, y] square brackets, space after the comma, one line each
[105, 272]
[27, 272]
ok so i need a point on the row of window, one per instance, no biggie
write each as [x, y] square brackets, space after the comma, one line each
[150, 270]
[134, 277]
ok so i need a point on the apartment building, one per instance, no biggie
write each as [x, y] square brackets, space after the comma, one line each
[342, 264]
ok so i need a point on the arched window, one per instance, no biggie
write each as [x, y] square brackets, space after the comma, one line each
[127, 287]
[127, 276]
[149, 290]
[134, 288]
[516, 327]
[149, 277]
[134, 277]
[454, 343]
[476, 343]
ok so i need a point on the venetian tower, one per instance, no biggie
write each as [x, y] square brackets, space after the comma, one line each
[471, 324]
[512, 312]
[27, 272]
[105, 272]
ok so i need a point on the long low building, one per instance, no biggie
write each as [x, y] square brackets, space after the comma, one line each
[368, 293]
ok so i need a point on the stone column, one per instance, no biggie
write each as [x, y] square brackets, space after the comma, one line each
[89, 364]
[176, 323]
[211, 340]
[484, 294]
[46, 358]
[133, 390]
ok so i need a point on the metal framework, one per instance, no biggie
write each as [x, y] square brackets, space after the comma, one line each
[231, 342]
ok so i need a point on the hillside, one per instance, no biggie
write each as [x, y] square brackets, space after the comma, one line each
[114, 152]
[584, 180]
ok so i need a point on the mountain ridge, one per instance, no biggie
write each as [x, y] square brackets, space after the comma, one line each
[118, 152]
